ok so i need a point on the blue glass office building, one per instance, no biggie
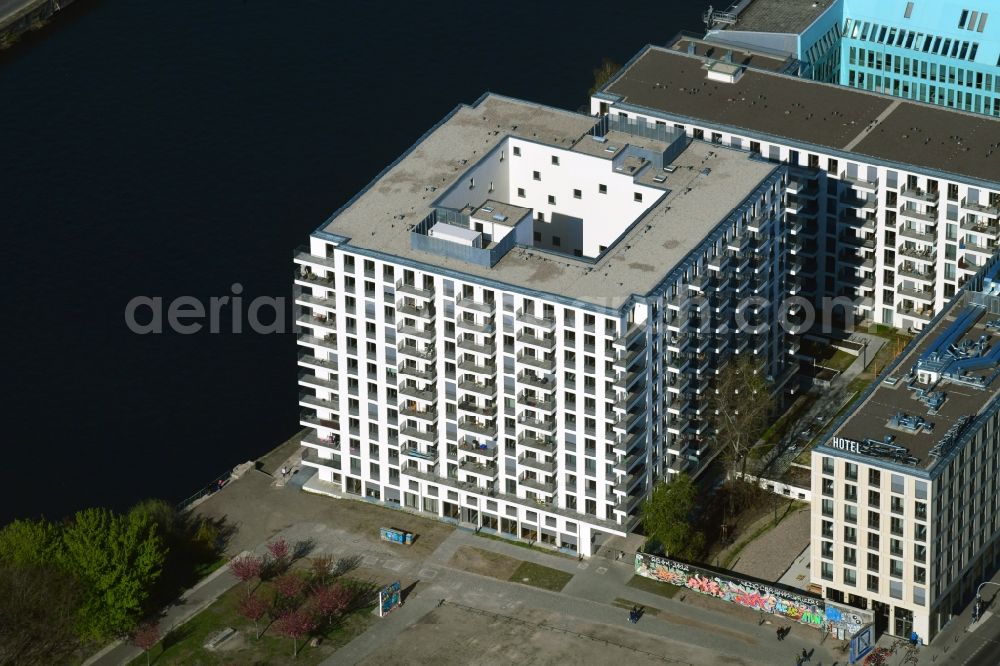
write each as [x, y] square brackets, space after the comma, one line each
[944, 52]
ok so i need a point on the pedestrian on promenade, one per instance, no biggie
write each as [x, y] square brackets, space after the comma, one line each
[805, 655]
[780, 633]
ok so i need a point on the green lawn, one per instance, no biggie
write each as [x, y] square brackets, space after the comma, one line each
[536, 575]
[184, 645]
[523, 544]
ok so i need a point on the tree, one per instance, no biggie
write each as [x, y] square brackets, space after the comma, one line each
[279, 550]
[667, 515]
[328, 602]
[145, 636]
[322, 569]
[38, 608]
[253, 608]
[604, 73]
[289, 587]
[29, 542]
[296, 624]
[740, 410]
[246, 568]
[118, 558]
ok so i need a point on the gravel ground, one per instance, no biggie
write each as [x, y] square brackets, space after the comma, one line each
[773, 552]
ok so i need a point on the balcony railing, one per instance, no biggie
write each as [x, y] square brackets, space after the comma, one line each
[413, 290]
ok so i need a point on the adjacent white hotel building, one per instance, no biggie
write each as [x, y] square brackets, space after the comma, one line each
[905, 509]
[894, 203]
[515, 325]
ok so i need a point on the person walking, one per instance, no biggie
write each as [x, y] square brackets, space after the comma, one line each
[779, 633]
[805, 655]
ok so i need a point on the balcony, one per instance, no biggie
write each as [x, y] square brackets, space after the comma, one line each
[428, 415]
[315, 362]
[307, 278]
[925, 313]
[545, 362]
[410, 350]
[543, 444]
[914, 272]
[312, 458]
[628, 379]
[992, 209]
[925, 295]
[482, 451]
[430, 455]
[489, 410]
[415, 372]
[470, 345]
[482, 370]
[541, 404]
[485, 327]
[487, 428]
[310, 379]
[407, 309]
[630, 336]
[989, 248]
[530, 379]
[859, 182]
[316, 301]
[430, 435]
[487, 470]
[917, 194]
[930, 215]
[628, 482]
[471, 305]
[719, 262]
[326, 342]
[414, 291]
[544, 425]
[980, 228]
[928, 255]
[546, 322]
[546, 488]
[420, 333]
[628, 420]
[627, 359]
[547, 343]
[628, 463]
[537, 464]
[488, 389]
[415, 393]
[916, 234]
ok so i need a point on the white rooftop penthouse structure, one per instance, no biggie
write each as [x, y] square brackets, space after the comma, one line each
[516, 324]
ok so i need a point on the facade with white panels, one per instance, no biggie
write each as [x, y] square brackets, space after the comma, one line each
[516, 325]
[894, 204]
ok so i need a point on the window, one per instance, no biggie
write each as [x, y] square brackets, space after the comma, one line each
[897, 483]
[896, 526]
[520, 192]
[850, 534]
[896, 504]
[602, 189]
[874, 498]
[919, 575]
[851, 472]
[850, 577]
[873, 540]
[896, 589]
[827, 529]
[577, 194]
[850, 492]
[827, 571]
[872, 583]
[555, 160]
[827, 507]
[874, 477]
[850, 556]
[872, 562]
[851, 514]
[538, 236]
[556, 241]
[827, 465]
[828, 487]
[873, 520]
[552, 200]
[517, 151]
[637, 197]
[536, 175]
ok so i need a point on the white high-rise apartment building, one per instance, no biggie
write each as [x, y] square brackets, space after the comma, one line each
[516, 324]
[896, 203]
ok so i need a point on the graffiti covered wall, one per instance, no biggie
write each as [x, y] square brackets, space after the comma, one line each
[795, 607]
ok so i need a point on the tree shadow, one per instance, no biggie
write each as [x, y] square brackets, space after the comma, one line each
[346, 565]
[303, 548]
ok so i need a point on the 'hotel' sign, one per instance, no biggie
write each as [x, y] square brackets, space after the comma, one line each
[844, 444]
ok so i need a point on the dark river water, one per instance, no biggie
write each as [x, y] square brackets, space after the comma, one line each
[167, 149]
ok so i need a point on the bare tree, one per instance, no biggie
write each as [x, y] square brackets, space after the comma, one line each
[740, 412]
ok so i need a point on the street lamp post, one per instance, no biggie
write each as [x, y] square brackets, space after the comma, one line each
[977, 609]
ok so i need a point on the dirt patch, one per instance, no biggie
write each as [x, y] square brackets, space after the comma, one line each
[484, 563]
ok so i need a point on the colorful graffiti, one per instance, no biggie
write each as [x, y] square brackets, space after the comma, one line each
[749, 594]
